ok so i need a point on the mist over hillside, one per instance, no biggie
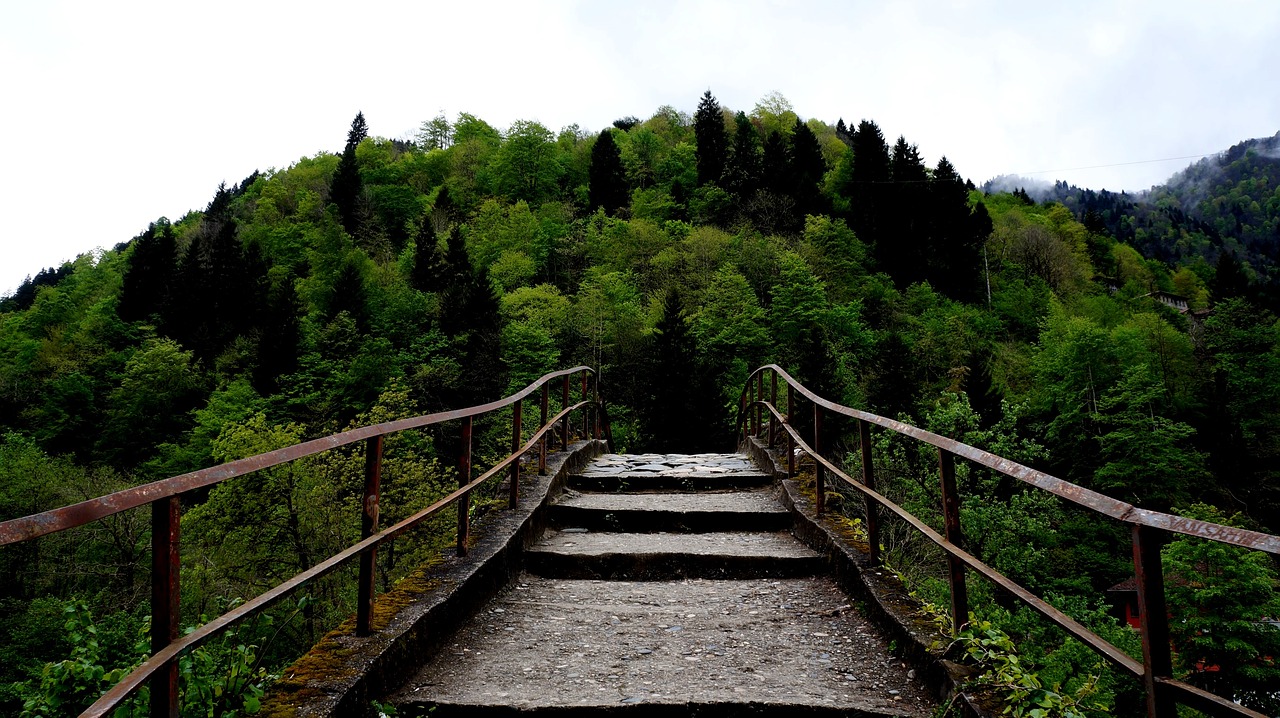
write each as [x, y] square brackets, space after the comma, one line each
[1222, 208]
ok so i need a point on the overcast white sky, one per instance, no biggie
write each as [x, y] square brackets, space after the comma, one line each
[118, 113]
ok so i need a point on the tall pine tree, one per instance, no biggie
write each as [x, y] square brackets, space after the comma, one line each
[347, 185]
[807, 170]
[956, 235]
[680, 406]
[743, 172]
[428, 270]
[607, 178]
[866, 190]
[712, 140]
[146, 287]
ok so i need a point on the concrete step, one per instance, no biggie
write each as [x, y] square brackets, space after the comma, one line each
[663, 556]
[671, 648]
[676, 513]
[669, 472]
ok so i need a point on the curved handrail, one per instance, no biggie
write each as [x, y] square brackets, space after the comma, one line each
[78, 514]
[110, 700]
[1162, 690]
[164, 494]
[1101, 503]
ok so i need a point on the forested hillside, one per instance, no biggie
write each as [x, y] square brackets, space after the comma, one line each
[675, 253]
[1220, 217]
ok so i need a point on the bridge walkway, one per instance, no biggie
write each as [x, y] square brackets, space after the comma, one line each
[668, 582]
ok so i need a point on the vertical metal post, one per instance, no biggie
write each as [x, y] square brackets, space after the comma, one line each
[542, 445]
[596, 410]
[818, 475]
[165, 593]
[464, 478]
[773, 401]
[517, 419]
[951, 517]
[791, 442]
[369, 526]
[1154, 617]
[759, 408]
[869, 480]
[586, 411]
[564, 428]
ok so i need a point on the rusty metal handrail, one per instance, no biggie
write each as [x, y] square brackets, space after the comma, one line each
[78, 514]
[1155, 670]
[161, 668]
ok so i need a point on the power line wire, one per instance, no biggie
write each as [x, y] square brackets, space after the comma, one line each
[1119, 164]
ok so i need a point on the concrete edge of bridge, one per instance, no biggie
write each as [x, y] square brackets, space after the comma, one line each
[878, 593]
[358, 669]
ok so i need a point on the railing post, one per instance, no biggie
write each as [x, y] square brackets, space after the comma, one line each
[542, 445]
[869, 480]
[773, 401]
[819, 478]
[586, 411]
[791, 442]
[595, 410]
[951, 517]
[517, 418]
[759, 408]
[166, 564]
[1154, 617]
[369, 526]
[464, 478]
[564, 428]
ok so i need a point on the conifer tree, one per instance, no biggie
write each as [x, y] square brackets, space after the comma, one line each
[145, 291]
[219, 290]
[867, 191]
[349, 294]
[428, 270]
[680, 407]
[743, 172]
[347, 185]
[776, 165]
[279, 336]
[443, 212]
[712, 140]
[807, 169]
[955, 237]
[607, 186]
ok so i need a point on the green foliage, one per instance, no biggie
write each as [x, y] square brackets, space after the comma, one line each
[222, 679]
[391, 279]
[1223, 601]
[1020, 689]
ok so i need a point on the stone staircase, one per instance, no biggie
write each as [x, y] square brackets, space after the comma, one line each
[667, 585]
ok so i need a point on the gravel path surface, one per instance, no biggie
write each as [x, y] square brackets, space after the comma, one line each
[549, 642]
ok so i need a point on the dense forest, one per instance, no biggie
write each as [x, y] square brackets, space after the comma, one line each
[676, 253]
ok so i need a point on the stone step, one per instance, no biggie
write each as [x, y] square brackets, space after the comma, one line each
[573, 554]
[671, 512]
[669, 472]
[669, 648]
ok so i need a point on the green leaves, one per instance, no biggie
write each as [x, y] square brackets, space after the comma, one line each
[1020, 689]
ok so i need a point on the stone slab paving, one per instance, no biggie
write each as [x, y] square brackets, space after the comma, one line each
[741, 502]
[779, 544]
[670, 465]
[559, 643]
[725, 621]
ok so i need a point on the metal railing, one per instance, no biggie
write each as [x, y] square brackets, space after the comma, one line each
[1149, 529]
[164, 496]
